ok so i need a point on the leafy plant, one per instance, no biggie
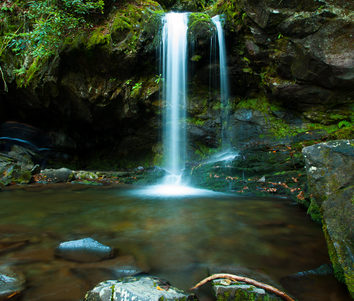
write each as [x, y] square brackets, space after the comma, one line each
[158, 78]
[136, 88]
[48, 23]
[344, 124]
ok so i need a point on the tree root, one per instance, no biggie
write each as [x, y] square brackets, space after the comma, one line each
[266, 287]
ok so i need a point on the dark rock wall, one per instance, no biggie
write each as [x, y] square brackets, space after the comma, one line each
[291, 78]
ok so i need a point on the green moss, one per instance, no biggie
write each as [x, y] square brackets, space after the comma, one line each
[203, 151]
[200, 25]
[278, 127]
[195, 121]
[315, 212]
[338, 270]
[233, 13]
[99, 37]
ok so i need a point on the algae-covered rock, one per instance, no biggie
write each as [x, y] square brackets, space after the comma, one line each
[228, 290]
[330, 175]
[136, 288]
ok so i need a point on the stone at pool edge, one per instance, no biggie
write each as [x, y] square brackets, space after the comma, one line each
[145, 288]
[227, 290]
[84, 250]
[60, 175]
[330, 173]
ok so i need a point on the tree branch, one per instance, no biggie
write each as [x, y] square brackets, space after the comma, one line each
[267, 287]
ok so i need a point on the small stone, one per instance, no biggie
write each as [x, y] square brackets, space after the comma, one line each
[84, 250]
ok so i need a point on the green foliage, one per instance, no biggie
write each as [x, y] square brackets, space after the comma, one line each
[136, 88]
[158, 79]
[45, 25]
[132, 21]
[195, 121]
[200, 25]
[344, 124]
[99, 37]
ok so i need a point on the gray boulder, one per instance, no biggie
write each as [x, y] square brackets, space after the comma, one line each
[145, 288]
[330, 172]
[57, 175]
[84, 250]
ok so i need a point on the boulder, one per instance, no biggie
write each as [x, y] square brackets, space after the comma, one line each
[144, 288]
[329, 168]
[84, 250]
[57, 175]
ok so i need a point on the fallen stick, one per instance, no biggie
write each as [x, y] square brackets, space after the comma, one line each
[246, 280]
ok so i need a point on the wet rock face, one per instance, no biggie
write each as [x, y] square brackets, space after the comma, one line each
[84, 250]
[330, 175]
[136, 288]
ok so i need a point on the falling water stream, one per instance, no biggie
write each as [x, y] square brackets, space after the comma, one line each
[224, 83]
[174, 93]
[174, 60]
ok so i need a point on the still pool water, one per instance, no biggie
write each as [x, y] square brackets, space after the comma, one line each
[181, 239]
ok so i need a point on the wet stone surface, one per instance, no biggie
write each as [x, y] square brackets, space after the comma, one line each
[226, 289]
[84, 250]
[136, 288]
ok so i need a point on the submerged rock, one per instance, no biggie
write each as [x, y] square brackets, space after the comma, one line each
[228, 290]
[84, 250]
[10, 283]
[136, 288]
[323, 270]
[330, 175]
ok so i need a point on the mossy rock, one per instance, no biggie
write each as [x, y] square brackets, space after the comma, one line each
[100, 37]
[226, 290]
[200, 26]
[330, 176]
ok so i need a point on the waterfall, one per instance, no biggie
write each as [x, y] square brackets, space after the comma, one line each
[174, 93]
[224, 84]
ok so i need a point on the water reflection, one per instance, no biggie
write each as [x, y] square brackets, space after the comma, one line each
[176, 238]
